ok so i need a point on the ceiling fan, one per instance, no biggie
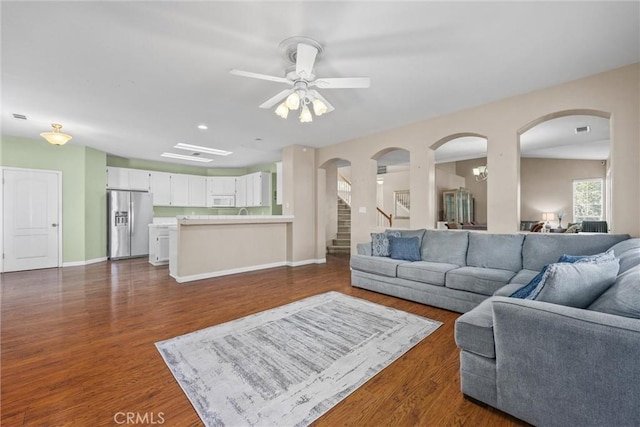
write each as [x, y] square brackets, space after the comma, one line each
[303, 53]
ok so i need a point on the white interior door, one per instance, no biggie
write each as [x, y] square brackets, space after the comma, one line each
[31, 225]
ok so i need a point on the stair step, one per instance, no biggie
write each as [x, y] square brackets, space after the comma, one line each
[338, 250]
[342, 242]
[344, 236]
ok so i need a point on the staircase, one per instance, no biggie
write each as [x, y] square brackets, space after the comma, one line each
[342, 244]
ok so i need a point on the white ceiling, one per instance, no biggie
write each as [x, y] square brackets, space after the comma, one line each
[135, 78]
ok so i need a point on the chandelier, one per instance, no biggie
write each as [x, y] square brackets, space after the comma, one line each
[480, 173]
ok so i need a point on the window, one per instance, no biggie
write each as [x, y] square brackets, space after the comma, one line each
[588, 200]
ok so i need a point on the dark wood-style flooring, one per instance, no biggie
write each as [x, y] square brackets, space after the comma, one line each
[78, 347]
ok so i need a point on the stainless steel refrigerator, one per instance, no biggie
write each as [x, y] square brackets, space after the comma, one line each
[130, 213]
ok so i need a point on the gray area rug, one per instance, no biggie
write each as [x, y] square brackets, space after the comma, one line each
[289, 365]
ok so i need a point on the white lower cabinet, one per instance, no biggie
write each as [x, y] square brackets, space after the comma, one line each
[158, 244]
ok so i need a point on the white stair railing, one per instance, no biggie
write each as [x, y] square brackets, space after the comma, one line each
[344, 189]
[402, 204]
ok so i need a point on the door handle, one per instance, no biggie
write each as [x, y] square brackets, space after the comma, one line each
[54, 225]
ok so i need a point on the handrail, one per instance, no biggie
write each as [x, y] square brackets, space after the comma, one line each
[344, 179]
[344, 190]
[389, 217]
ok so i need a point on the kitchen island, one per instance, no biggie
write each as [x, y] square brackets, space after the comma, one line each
[201, 246]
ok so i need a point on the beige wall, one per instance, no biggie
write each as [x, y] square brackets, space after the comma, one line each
[547, 185]
[614, 93]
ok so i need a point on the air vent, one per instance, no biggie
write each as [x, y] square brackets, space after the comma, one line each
[19, 116]
[583, 129]
[382, 170]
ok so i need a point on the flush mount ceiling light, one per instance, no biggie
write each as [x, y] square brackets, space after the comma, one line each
[200, 149]
[203, 127]
[56, 137]
[480, 173]
[303, 52]
[190, 158]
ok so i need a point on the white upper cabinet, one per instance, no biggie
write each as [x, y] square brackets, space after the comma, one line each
[197, 191]
[241, 191]
[258, 189]
[179, 190]
[221, 185]
[161, 188]
[127, 179]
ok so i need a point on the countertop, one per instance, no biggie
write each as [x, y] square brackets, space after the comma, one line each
[233, 219]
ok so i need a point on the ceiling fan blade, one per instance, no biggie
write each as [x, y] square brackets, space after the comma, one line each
[305, 58]
[343, 83]
[317, 95]
[275, 99]
[259, 76]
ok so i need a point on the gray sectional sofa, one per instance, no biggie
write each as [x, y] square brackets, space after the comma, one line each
[547, 364]
[460, 269]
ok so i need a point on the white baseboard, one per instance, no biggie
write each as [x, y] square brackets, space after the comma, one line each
[306, 262]
[184, 279]
[87, 262]
[191, 278]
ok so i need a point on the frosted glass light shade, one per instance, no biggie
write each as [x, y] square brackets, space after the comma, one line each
[282, 110]
[319, 107]
[293, 101]
[56, 137]
[305, 115]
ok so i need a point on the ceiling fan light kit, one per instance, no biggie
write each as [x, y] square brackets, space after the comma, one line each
[303, 53]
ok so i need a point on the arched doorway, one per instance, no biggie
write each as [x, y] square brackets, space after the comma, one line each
[565, 173]
[337, 206]
[460, 180]
[393, 199]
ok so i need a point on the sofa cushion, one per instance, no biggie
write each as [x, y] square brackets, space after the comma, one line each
[405, 248]
[474, 330]
[426, 272]
[541, 249]
[507, 290]
[449, 247]
[409, 233]
[501, 251]
[576, 284]
[623, 298]
[377, 265]
[628, 251]
[380, 243]
[523, 277]
[483, 281]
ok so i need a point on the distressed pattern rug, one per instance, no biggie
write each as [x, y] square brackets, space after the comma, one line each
[289, 365]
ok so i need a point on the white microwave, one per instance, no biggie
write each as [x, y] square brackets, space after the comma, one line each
[223, 201]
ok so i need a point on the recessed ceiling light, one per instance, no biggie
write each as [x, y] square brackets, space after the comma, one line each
[201, 149]
[183, 157]
[203, 127]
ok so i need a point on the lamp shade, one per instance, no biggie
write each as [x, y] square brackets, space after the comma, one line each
[319, 107]
[56, 137]
[305, 115]
[293, 101]
[282, 110]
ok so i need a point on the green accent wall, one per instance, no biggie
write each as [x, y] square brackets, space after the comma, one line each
[83, 190]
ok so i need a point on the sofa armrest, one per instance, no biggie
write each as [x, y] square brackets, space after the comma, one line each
[558, 365]
[364, 248]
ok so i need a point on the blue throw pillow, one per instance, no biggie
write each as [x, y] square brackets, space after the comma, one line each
[380, 243]
[524, 291]
[405, 248]
[575, 258]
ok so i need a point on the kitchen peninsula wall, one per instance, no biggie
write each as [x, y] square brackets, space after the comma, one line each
[158, 211]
